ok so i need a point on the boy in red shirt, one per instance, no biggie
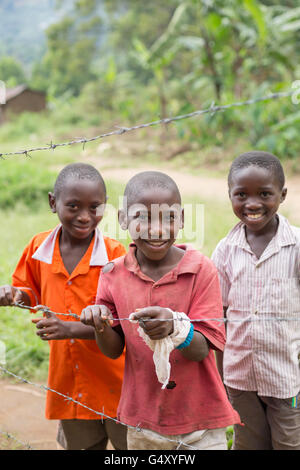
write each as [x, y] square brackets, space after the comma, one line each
[161, 279]
[60, 269]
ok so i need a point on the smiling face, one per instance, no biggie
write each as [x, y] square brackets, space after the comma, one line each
[153, 222]
[255, 195]
[79, 207]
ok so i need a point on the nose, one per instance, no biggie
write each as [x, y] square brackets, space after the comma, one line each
[155, 229]
[253, 204]
[83, 217]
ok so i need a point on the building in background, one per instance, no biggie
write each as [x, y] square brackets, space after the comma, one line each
[21, 98]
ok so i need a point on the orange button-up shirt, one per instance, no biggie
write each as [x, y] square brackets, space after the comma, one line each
[77, 368]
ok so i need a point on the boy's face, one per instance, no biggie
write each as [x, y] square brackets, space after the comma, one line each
[79, 206]
[255, 196]
[153, 221]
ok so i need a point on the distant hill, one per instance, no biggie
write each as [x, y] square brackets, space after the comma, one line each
[22, 26]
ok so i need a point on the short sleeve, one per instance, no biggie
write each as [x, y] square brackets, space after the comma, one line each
[104, 296]
[206, 305]
[219, 258]
[27, 275]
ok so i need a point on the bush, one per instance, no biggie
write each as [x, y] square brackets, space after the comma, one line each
[24, 182]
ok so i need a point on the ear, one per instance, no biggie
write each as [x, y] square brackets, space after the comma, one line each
[283, 194]
[122, 219]
[52, 202]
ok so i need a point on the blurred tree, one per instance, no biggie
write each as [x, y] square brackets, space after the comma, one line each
[71, 47]
[11, 72]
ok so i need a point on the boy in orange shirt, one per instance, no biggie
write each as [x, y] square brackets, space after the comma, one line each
[60, 269]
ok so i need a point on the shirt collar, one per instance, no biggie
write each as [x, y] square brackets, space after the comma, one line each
[189, 263]
[46, 249]
[283, 237]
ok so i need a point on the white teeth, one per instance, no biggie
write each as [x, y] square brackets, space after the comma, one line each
[254, 216]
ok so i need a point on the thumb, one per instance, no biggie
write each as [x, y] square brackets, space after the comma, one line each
[47, 313]
[17, 295]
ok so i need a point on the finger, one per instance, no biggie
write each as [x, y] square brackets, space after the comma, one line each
[99, 320]
[49, 314]
[149, 312]
[102, 317]
[44, 334]
[17, 296]
[36, 320]
[7, 296]
[86, 316]
[42, 324]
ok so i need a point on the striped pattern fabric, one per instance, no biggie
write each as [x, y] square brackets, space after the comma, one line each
[262, 355]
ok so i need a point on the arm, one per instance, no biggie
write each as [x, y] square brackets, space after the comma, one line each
[110, 340]
[51, 327]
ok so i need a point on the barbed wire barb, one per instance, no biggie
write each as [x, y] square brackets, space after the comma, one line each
[212, 109]
[99, 413]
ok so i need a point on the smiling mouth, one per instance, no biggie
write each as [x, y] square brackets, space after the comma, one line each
[156, 243]
[255, 216]
[82, 229]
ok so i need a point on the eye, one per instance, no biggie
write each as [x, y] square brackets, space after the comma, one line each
[240, 194]
[169, 217]
[142, 217]
[265, 194]
[72, 205]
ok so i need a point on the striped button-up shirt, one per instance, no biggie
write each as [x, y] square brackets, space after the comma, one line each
[262, 297]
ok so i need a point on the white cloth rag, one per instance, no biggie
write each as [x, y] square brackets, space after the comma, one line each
[163, 347]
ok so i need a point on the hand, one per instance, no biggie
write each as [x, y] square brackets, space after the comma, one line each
[51, 327]
[10, 295]
[98, 316]
[155, 329]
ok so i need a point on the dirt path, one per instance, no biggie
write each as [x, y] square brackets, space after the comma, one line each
[22, 406]
[22, 413]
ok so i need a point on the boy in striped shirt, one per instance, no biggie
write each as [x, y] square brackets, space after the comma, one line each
[258, 264]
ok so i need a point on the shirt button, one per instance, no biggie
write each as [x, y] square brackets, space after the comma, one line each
[79, 395]
[69, 283]
[76, 366]
[72, 341]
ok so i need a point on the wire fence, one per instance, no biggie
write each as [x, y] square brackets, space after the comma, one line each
[177, 443]
[45, 309]
[119, 131]
[122, 130]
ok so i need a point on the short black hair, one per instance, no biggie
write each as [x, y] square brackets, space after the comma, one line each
[77, 171]
[148, 180]
[261, 159]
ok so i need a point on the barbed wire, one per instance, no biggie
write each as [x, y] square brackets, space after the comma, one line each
[10, 436]
[122, 130]
[45, 309]
[99, 413]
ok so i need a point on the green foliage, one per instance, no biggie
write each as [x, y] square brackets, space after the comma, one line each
[11, 72]
[24, 182]
[124, 62]
[71, 46]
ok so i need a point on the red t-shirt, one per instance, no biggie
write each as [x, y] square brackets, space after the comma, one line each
[199, 400]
